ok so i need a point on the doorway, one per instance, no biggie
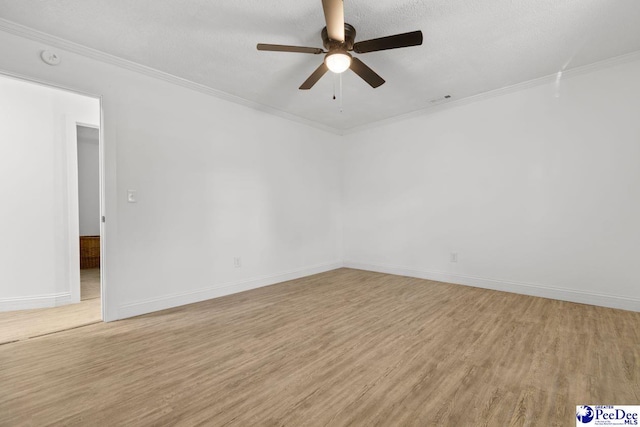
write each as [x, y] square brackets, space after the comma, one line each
[89, 218]
[50, 165]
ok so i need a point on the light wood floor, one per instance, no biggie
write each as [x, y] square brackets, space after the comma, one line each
[24, 324]
[346, 347]
[89, 284]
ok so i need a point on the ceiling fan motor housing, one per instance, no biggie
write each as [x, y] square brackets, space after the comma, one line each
[346, 45]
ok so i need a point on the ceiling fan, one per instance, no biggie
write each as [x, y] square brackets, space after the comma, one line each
[338, 38]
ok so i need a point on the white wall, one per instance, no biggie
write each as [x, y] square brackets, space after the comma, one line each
[89, 180]
[34, 223]
[538, 192]
[215, 180]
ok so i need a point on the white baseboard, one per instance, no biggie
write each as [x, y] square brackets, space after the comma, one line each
[583, 297]
[35, 301]
[175, 300]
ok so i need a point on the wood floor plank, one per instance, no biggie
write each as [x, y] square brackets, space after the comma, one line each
[341, 348]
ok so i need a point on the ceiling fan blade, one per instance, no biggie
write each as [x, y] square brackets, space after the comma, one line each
[284, 48]
[334, 16]
[413, 38]
[366, 73]
[314, 77]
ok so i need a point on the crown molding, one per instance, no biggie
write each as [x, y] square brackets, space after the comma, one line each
[572, 72]
[60, 43]
[53, 41]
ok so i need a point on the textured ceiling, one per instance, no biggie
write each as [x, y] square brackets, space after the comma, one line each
[470, 46]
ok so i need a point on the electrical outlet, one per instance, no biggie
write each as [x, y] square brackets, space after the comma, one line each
[453, 257]
[237, 262]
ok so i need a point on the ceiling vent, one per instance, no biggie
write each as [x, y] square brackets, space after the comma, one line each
[441, 99]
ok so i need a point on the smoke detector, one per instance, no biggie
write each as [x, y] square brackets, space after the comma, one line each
[49, 57]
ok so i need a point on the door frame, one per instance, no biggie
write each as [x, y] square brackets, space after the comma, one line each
[72, 202]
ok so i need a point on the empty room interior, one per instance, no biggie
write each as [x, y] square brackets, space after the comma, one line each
[319, 212]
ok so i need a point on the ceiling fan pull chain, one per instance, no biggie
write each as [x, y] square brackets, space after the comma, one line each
[340, 92]
[334, 87]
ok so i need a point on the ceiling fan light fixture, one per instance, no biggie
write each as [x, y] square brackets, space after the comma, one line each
[338, 61]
